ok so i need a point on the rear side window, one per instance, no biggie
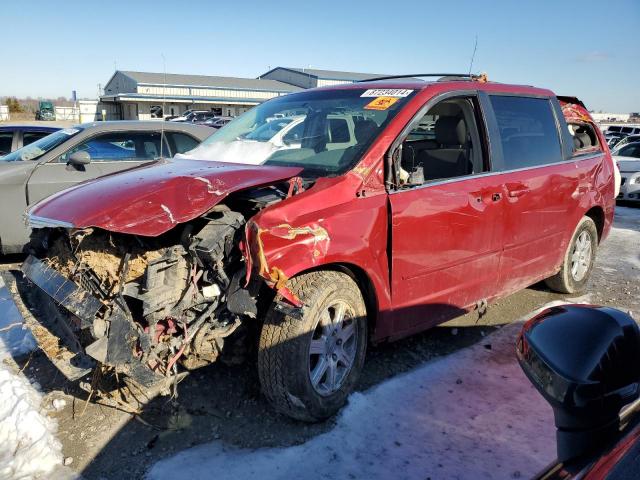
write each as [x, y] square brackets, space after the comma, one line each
[181, 143]
[6, 139]
[528, 131]
[584, 137]
[119, 146]
[30, 137]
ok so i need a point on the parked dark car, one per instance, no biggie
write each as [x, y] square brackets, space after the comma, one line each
[13, 137]
[624, 141]
[217, 122]
[354, 232]
[73, 155]
[617, 133]
[184, 115]
[592, 382]
[200, 117]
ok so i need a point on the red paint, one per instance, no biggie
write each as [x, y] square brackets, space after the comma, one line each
[446, 244]
[605, 465]
[152, 200]
[451, 245]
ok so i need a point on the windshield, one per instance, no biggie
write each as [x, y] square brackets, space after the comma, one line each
[323, 131]
[35, 150]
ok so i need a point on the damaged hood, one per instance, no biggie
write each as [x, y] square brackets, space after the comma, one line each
[151, 200]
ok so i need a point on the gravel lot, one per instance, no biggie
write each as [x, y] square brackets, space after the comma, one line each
[221, 402]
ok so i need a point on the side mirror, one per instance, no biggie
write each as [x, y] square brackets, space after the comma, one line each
[78, 158]
[585, 361]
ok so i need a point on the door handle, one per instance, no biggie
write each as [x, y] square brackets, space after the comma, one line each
[518, 192]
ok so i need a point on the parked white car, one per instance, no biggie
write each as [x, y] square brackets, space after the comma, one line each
[627, 159]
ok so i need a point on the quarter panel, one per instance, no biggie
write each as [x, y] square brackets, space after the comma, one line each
[539, 223]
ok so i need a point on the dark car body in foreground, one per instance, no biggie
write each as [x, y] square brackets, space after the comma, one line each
[46, 166]
[592, 384]
[13, 137]
[397, 206]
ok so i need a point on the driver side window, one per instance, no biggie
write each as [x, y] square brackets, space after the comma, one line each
[445, 143]
[119, 146]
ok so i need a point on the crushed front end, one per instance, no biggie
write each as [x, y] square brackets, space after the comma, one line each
[146, 305]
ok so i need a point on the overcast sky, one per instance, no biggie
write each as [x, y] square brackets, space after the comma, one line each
[584, 48]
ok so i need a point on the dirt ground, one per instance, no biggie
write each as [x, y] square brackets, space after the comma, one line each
[222, 402]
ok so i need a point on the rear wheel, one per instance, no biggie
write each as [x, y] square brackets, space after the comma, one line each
[578, 260]
[309, 365]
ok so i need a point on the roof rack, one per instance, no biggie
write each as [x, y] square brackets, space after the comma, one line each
[448, 76]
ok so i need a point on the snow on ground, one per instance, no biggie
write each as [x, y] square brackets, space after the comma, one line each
[29, 448]
[621, 250]
[15, 338]
[472, 414]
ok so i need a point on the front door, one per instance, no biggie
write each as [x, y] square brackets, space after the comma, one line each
[110, 152]
[446, 231]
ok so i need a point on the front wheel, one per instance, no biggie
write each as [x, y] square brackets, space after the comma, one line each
[578, 260]
[309, 365]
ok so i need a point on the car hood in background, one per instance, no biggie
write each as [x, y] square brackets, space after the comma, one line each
[627, 164]
[151, 200]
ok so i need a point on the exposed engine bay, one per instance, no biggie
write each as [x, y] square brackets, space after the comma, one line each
[154, 306]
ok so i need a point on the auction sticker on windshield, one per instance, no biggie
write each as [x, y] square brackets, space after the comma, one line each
[381, 103]
[387, 92]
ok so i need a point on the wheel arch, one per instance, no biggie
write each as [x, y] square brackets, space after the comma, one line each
[364, 283]
[596, 214]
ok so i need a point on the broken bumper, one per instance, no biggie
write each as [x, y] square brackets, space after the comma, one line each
[66, 336]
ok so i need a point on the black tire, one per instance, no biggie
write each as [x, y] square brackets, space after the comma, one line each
[566, 280]
[285, 360]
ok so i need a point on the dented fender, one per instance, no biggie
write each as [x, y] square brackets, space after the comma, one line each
[330, 224]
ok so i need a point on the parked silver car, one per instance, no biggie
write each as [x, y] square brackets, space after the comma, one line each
[73, 155]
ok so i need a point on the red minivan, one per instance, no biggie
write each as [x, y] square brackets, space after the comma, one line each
[320, 221]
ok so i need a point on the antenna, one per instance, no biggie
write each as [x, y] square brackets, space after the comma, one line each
[164, 99]
[473, 55]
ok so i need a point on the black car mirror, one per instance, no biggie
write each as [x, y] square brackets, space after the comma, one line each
[585, 361]
[78, 158]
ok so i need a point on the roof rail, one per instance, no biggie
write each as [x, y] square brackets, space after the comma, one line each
[449, 76]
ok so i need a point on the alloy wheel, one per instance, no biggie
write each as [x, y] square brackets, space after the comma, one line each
[581, 256]
[332, 350]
